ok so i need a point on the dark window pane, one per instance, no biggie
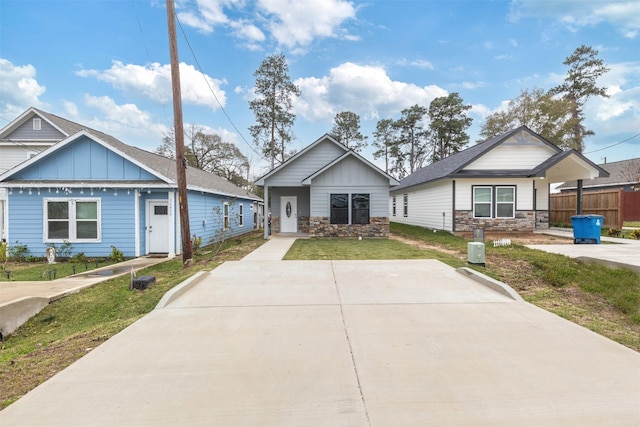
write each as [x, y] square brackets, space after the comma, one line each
[504, 210]
[160, 210]
[58, 230]
[86, 210]
[360, 209]
[482, 210]
[339, 209]
[57, 210]
[87, 230]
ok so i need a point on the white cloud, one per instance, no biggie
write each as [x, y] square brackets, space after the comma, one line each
[622, 109]
[19, 89]
[153, 81]
[365, 90]
[291, 23]
[623, 15]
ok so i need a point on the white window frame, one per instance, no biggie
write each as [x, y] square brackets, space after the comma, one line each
[393, 206]
[72, 219]
[225, 216]
[490, 202]
[37, 123]
[512, 203]
[405, 205]
[240, 215]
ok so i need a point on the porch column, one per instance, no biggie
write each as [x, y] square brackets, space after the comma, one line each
[579, 198]
[265, 217]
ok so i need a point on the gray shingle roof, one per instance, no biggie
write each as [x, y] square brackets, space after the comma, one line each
[196, 178]
[452, 165]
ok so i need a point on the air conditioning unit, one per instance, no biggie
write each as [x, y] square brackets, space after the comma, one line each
[475, 253]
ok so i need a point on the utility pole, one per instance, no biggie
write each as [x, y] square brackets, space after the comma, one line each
[181, 161]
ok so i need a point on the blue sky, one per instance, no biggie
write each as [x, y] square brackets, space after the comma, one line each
[105, 63]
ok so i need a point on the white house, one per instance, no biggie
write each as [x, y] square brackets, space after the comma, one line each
[500, 185]
[327, 190]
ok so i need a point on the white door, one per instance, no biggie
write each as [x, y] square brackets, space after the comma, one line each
[158, 228]
[288, 214]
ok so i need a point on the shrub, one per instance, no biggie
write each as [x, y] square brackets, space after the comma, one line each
[3, 252]
[116, 254]
[613, 232]
[18, 251]
[79, 258]
[636, 233]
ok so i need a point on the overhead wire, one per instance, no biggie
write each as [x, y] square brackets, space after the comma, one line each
[613, 145]
[195, 58]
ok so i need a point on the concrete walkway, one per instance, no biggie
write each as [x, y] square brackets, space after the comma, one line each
[342, 343]
[613, 252]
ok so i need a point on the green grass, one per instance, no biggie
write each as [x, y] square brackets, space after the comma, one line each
[353, 249]
[36, 271]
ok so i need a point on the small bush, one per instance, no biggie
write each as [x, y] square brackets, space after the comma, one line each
[18, 251]
[613, 232]
[3, 252]
[79, 258]
[116, 255]
[636, 233]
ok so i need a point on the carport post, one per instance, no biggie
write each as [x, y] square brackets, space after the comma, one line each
[265, 215]
[579, 198]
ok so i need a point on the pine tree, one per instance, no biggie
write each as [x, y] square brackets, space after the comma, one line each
[346, 129]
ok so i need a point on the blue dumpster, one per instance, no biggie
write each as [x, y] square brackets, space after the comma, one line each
[586, 228]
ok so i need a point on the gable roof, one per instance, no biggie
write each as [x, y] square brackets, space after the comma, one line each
[350, 153]
[160, 166]
[620, 173]
[454, 165]
[325, 137]
[66, 127]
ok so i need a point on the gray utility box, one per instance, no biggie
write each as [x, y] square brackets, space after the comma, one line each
[475, 253]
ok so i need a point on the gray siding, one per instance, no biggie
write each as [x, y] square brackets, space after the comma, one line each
[305, 165]
[301, 193]
[379, 198]
[46, 133]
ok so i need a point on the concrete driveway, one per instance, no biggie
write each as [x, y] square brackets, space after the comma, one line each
[343, 343]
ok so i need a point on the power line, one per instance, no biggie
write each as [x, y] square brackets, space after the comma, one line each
[613, 145]
[214, 94]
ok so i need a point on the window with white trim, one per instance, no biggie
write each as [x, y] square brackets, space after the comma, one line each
[225, 214]
[405, 205]
[73, 220]
[37, 124]
[393, 206]
[482, 202]
[240, 214]
[494, 201]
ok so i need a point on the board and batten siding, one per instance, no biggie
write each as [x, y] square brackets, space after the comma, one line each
[513, 157]
[300, 168]
[84, 160]
[350, 176]
[426, 204]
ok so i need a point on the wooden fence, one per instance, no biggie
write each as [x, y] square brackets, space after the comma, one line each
[616, 206]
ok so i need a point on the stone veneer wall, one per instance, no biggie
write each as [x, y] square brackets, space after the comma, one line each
[542, 220]
[378, 227]
[524, 221]
[303, 224]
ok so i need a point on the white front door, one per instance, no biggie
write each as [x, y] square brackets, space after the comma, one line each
[158, 228]
[288, 214]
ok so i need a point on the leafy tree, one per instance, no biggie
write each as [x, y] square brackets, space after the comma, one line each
[550, 117]
[210, 153]
[448, 125]
[272, 108]
[385, 139]
[346, 129]
[579, 85]
[412, 144]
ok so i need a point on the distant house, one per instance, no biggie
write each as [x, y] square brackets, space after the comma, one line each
[94, 191]
[27, 135]
[327, 190]
[624, 175]
[500, 185]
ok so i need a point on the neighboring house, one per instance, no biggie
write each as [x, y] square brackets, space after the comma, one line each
[94, 191]
[30, 133]
[327, 190]
[500, 185]
[624, 175]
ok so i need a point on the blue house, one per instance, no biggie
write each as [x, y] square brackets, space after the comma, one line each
[94, 192]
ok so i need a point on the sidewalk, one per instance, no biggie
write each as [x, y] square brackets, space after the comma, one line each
[612, 252]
